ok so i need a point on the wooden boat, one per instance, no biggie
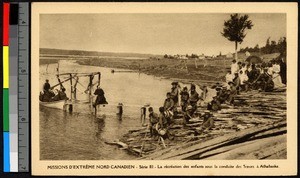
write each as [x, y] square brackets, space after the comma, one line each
[67, 105]
[54, 104]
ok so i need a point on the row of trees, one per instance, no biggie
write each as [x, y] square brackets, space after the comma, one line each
[269, 48]
[181, 56]
[235, 30]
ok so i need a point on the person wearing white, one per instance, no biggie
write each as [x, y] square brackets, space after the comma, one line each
[276, 76]
[234, 67]
[228, 78]
[270, 70]
[244, 78]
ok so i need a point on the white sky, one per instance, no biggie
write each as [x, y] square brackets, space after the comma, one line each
[153, 33]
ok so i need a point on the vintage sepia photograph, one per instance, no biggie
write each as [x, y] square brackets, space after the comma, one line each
[162, 86]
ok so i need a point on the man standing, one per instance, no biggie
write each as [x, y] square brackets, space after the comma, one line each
[100, 97]
[153, 120]
[283, 71]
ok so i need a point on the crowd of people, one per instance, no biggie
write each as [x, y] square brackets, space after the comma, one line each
[263, 76]
[177, 101]
[242, 77]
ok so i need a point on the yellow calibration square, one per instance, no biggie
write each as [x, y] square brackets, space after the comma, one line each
[5, 67]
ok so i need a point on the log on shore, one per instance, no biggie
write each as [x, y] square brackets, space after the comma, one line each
[219, 142]
[254, 119]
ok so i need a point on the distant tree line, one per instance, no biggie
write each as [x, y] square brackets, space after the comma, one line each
[269, 48]
[178, 56]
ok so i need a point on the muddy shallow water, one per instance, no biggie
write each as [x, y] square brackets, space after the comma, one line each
[81, 135]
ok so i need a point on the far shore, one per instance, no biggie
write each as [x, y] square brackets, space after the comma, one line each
[206, 73]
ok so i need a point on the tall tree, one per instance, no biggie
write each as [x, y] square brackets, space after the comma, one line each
[234, 29]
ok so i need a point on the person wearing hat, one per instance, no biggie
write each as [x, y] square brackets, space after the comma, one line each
[47, 92]
[174, 92]
[46, 86]
[184, 98]
[153, 120]
[188, 114]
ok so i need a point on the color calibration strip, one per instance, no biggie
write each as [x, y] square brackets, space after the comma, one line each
[11, 90]
[6, 142]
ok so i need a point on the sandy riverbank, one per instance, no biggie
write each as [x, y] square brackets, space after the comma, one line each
[204, 72]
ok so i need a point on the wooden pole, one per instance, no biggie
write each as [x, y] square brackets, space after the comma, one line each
[99, 78]
[90, 88]
[75, 89]
[71, 82]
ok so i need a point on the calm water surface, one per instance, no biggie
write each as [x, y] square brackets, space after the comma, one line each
[81, 135]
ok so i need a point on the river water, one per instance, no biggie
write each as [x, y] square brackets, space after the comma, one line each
[80, 135]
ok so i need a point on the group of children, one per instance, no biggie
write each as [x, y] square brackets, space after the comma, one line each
[241, 78]
[160, 123]
[263, 76]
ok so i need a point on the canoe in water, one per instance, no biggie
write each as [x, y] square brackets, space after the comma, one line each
[54, 104]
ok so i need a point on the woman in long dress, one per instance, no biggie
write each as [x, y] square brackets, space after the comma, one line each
[276, 76]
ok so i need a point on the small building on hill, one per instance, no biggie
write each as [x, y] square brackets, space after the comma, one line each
[202, 56]
[229, 55]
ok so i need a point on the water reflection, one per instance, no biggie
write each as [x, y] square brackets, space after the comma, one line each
[80, 135]
[100, 124]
